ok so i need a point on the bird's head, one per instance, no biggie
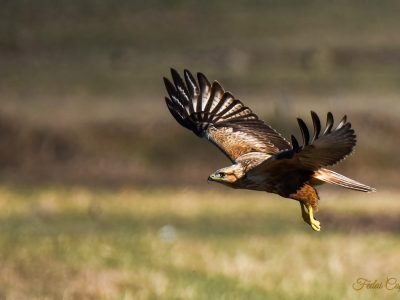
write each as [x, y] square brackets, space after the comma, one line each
[228, 175]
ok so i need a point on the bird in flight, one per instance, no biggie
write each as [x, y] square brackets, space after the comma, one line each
[262, 159]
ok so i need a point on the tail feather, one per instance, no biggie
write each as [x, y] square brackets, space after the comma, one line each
[338, 179]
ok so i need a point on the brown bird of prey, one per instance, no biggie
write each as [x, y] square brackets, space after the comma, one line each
[261, 158]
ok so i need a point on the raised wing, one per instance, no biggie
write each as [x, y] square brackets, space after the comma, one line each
[210, 112]
[321, 150]
[325, 150]
[291, 169]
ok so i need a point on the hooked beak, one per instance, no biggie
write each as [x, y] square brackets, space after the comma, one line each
[212, 177]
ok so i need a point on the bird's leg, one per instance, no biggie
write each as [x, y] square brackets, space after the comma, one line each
[315, 224]
[308, 217]
[304, 213]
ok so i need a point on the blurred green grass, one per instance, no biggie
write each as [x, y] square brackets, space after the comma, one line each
[81, 243]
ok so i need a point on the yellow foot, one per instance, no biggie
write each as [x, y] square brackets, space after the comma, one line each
[316, 225]
[308, 217]
[304, 213]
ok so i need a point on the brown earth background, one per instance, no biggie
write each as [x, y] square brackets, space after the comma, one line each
[81, 92]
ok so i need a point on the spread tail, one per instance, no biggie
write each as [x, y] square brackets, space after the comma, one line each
[338, 179]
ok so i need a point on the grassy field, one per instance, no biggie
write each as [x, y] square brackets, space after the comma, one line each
[82, 116]
[80, 243]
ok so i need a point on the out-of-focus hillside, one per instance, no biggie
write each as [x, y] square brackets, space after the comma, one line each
[81, 89]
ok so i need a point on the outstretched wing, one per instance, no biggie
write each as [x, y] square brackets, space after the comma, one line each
[317, 152]
[211, 112]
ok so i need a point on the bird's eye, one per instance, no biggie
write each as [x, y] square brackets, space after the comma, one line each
[220, 174]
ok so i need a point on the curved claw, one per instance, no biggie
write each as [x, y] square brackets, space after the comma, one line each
[308, 217]
[316, 225]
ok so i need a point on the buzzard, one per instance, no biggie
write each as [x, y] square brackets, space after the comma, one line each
[261, 158]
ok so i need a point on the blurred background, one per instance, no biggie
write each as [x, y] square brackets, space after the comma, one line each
[103, 192]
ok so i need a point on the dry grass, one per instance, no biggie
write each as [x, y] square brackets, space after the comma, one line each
[80, 243]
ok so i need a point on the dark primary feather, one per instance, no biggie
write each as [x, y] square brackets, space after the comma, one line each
[317, 126]
[304, 131]
[329, 123]
[211, 112]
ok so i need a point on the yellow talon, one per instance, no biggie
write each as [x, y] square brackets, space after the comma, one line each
[304, 213]
[314, 223]
[308, 217]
